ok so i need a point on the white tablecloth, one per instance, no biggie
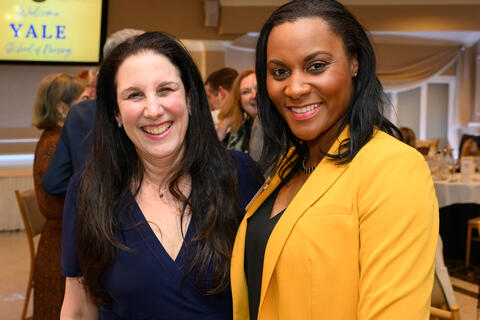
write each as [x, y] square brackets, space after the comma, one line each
[11, 179]
[449, 192]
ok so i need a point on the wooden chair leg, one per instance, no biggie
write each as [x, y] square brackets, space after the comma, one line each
[29, 292]
[455, 309]
[469, 241]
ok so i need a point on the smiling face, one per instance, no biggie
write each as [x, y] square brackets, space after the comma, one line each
[152, 106]
[309, 79]
[248, 93]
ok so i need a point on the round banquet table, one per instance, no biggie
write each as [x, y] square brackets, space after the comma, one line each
[454, 191]
[458, 202]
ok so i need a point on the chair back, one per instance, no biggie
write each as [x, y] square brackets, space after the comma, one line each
[466, 137]
[443, 305]
[31, 215]
[33, 220]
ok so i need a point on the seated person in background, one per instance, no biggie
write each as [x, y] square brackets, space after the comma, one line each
[408, 136]
[427, 147]
[76, 139]
[470, 148]
[150, 223]
[90, 78]
[218, 85]
[239, 112]
[55, 95]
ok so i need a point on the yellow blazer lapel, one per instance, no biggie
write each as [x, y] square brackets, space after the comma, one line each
[324, 176]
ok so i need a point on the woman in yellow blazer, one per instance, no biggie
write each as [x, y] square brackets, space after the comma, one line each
[347, 226]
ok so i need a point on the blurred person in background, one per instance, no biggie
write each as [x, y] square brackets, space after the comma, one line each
[55, 95]
[89, 76]
[408, 136]
[239, 112]
[218, 86]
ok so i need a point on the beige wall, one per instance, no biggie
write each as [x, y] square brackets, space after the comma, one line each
[215, 60]
[182, 18]
[208, 61]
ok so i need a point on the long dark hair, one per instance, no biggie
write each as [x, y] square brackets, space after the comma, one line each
[366, 110]
[115, 167]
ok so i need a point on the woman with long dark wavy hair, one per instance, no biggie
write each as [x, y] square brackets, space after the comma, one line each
[347, 226]
[150, 223]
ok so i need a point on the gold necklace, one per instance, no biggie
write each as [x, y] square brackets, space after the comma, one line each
[161, 191]
[307, 170]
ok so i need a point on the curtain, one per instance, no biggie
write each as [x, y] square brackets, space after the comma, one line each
[465, 101]
[416, 73]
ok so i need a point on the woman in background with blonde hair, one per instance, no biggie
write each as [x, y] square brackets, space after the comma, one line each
[56, 94]
[239, 112]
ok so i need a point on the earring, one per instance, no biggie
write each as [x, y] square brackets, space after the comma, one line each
[355, 74]
[119, 124]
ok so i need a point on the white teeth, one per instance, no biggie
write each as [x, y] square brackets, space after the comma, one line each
[305, 109]
[157, 130]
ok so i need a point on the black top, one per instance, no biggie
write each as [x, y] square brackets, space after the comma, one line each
[259, 228]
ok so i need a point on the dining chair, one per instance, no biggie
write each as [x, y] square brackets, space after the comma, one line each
[473, 223]
[453, 314]
[33, 221]
[443, 303]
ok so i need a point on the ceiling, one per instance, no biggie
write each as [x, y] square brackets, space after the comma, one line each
[408, 21]
[466, 38]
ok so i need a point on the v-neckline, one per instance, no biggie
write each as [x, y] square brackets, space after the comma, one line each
[147, 233]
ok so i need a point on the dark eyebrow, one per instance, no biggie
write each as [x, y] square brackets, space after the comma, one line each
[307, 58]
[277, 62]
[167, 83]
[316, 53]
[126, 91]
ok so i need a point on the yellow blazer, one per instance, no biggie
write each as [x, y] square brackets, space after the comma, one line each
[357, 242]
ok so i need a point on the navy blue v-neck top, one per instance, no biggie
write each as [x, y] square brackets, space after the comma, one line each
[146, 283]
